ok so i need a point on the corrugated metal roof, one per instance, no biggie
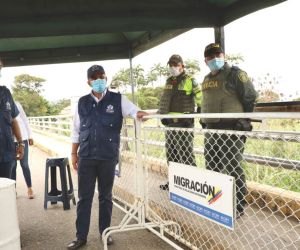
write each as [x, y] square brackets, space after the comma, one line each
[47, 31]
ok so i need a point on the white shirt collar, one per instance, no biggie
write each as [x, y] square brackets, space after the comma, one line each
[96, 99]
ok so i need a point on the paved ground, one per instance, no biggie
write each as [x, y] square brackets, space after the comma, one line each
[53, 228]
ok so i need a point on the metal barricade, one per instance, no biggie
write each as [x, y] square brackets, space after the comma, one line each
[265, 163]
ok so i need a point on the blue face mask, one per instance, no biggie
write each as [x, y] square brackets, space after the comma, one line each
[99, 85]
[215, 64]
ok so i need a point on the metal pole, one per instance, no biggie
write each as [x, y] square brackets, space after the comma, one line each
[220, 36]
[131, 77]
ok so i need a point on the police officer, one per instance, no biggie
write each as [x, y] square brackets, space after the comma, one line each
[95, 149]
[226, 89]
[8, 127]
[180, 96]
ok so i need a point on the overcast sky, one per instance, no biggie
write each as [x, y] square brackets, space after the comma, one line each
[268, 40]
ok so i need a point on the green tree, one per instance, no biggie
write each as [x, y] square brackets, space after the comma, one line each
[297, 99]
[122, 78]
[27, 90]
[234, 59]
[192, 67]
[266, 88]
[57, 107]
[148, 98]
[159, 72]
[267, 95]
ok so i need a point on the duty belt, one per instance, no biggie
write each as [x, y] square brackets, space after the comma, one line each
[222, 125]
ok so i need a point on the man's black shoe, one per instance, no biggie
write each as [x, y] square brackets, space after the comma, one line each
[164, 186]
[76, 244]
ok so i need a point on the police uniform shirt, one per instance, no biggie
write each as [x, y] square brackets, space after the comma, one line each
[128, 109]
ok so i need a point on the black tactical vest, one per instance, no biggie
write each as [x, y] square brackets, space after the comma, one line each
[217, 97]
[174, 97]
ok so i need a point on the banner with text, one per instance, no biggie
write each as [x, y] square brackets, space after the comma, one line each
[204, 192]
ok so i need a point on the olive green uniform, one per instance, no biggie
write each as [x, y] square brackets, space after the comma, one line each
[229, 91]
[180, 96]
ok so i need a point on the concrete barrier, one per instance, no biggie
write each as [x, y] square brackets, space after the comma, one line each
[9, 226]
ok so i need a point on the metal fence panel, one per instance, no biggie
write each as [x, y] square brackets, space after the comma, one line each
[265, 163]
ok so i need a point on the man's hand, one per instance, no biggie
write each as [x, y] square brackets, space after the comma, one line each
[30, 141]
[74, 161]
[141, 114]
[19, 152]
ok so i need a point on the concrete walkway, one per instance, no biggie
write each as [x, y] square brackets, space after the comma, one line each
[54, 228]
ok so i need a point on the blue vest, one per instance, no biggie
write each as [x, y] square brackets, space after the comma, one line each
[7, 112]
[100, 127]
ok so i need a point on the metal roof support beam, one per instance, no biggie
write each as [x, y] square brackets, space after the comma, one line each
[220, 36]
[131, 75]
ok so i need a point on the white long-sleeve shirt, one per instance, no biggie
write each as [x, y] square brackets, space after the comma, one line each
[23, 123]
[128, 109]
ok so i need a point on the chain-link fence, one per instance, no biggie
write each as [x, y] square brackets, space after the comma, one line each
[265, 163]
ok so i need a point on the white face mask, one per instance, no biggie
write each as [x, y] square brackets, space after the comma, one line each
[174, 71]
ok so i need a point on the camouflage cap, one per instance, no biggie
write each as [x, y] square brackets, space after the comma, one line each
[175, 59]
[212, 48]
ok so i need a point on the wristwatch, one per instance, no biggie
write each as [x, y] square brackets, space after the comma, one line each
[21, 144]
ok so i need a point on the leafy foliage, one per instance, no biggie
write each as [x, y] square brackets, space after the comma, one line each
[192, 67]
[234, 59]
[148, 98]
[266, 87]
[122, 78]
[27, 90]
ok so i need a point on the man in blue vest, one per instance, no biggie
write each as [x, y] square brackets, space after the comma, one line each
[8, 127]
[95, 149]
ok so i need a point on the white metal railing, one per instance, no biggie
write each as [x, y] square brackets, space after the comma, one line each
[271, 164]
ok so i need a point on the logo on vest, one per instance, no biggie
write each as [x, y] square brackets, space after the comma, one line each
[8, 107]
[110, 109]
[210, 85]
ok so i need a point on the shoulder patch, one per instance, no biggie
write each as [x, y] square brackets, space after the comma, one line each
[243, 77]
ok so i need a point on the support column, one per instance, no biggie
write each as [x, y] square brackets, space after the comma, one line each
[220, 36]
[131, 77]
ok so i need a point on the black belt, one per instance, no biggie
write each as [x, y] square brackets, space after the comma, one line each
[221, 125]
[181, 122]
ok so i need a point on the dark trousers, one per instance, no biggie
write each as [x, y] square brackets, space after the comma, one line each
[180, 147]
[25, 166]
[5, 169]
[88, 172]
[223, 153]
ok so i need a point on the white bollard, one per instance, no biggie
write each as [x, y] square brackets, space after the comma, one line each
[9, 225]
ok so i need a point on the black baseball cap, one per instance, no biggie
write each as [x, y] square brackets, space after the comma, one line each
[212, 49]
[95, 69]
[175, 59]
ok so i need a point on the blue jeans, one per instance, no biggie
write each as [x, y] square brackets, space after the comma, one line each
[25, 166]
